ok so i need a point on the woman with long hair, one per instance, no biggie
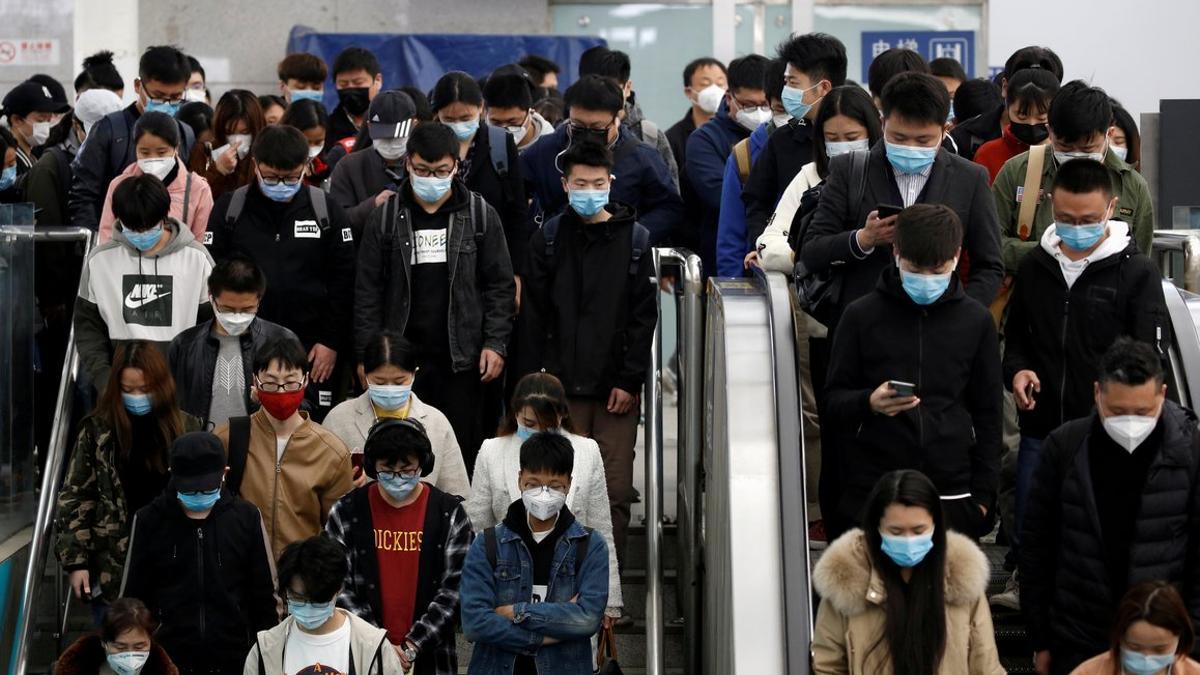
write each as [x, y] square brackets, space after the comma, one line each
[124, 645]
[902, 595]
[1152, 635]
[224, 163]
[119, 465]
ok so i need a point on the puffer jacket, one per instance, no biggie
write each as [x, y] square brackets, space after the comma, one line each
[1066, 593]
[87, 656]
[852, 616]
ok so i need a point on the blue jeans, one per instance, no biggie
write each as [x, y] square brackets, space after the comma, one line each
[1028, 457]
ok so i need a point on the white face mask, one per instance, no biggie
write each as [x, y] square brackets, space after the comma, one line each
[835, 148]
[41, 132]
[543, 503]
[314, 151]
[781, 119]
[234, 323]
[1129, 431]
[243, 141]
[752, 118]
[518, 133]
[1121, 153]
[1064, 157]
[194, 95]
[709, 98]
[390, 149]
[158, 167]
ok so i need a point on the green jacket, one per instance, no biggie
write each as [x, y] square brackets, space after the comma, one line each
[1133, 205]
[91, 524]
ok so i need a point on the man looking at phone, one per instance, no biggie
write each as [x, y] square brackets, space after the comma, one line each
[914, 379]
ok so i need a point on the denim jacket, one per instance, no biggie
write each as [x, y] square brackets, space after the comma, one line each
[498, 640]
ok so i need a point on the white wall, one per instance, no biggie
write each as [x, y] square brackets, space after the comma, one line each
[1139, 51]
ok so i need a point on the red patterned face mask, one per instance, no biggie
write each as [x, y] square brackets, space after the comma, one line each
[281, 404]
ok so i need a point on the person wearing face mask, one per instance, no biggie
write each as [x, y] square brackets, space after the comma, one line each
[1085, 286]
[406, 541]
[212, 360]
[536, 620]
[163, 74]
[312, 121]
[198, 558]
[641, 178]
[302, 78]
[816, 63]
[146, 283]
[155, 139]
[319, 637]
[390, 367]
[1029, 93]
[197, 85]
[508, 93]
[705, 81]
[1152, 635]
[287, 465]
[30, 110]
[119, 465]
[970, 133]
[434, 267]
[365, 178]
[918, 328]
[1125, 141]
[903, 594]
[305, 247]
[1079, 122]
[11, 190]
[124, 644]
[744, 109]
[539, 403]
[1114, 500]
[237, 121]
[358, 79]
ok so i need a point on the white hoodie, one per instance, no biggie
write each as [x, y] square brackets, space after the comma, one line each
[1117, 241]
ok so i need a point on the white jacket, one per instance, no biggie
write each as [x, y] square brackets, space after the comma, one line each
[352, 419]
[774, 252]
[495, 488]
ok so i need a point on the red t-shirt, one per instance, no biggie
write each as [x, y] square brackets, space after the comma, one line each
[398, 534]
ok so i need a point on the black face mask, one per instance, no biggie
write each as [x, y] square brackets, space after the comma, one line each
[355, 100]
[581, 135]
[1029, 134]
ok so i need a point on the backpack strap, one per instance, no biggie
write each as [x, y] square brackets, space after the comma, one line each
[187, 193]
[649, 132]
[641, 243]
[491, 546]
[498, 145]
[858, 176]
[239, 449]
[479, 217]
[237, 204]
[262, 667]
[320, 206]
[1033, 186]
[119, 142]
[741, 154]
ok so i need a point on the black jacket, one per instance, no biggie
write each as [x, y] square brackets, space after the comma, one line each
[505, 193]
[482, 290]
[785, 153]
[98, 162]
[340, 126]
[954, 182]
[210, 583]
[949, 351]
[973, 133]
[594, 320]
[1066, 594]
[310, 287]
[693, 210]
[193, 358]
[357, 179]
[1062, 334]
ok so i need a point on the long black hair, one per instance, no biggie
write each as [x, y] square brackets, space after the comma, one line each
[853, 102]
[915, 630]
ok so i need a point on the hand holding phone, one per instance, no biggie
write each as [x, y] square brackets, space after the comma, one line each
[888, 210]
[887, 398]
[903, 388]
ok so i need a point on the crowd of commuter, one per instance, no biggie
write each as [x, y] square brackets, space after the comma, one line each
[369, 375]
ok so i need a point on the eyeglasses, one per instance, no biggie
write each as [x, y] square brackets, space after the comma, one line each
[286, 180]
[583, 129]
[393, 475]
[274, 387]
[426, 172]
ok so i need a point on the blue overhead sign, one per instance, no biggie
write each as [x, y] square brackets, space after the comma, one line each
[957, 45]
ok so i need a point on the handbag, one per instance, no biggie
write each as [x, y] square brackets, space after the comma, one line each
[820, 293]
[606, 654]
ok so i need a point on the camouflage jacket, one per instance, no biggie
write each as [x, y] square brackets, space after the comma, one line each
[91, 523]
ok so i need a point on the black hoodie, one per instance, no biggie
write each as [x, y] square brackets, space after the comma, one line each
[949, 350]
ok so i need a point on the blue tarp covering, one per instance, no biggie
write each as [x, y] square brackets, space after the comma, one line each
[421, 59]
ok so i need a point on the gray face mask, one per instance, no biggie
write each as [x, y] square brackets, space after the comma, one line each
[390, 149]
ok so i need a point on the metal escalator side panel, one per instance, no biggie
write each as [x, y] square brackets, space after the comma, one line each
[1183, 308]
[743, 598]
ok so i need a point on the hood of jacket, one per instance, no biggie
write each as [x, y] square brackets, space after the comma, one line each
[1117, 241]
[845, 576]
[86, 657]
[180, 238]
[365, 640]
[541, 124]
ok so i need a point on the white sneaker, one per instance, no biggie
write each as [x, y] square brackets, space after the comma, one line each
[1011, 597]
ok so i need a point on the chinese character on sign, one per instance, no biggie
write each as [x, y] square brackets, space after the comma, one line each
[957, 45]
[952, 50]
[879, 47]
[29, 52]
[910, 43]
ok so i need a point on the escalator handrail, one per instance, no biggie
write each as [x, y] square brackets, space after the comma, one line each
[52, 468]
[797, 583]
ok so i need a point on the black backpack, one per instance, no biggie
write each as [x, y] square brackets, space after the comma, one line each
[639, 235]
[392, 213]
[237, 204]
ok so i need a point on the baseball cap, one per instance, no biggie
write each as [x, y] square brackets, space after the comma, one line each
[56, 91]
[30, 97]
[391, 115]
[197, 462]
[94, 104]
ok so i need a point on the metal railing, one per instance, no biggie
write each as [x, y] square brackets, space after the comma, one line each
[51, 472]
[1183, 246]
[691, 353]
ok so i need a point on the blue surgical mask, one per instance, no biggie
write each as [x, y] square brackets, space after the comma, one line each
[1080, 237]
[1137, 663]
[925, 289]
[793, 101]
[8, 177]
[398, 487]
[197, 502]
[280, 192]
[162, 107]
[311, 615]
[127, 663]
[389, 396]
[587, 203]
[465, 131]
[146, 239]
[1121, 153]
[907, 551]
[430, 189]
[910, 158]
[307, 95]
[525, 433]
[835, 148]
[137, 404]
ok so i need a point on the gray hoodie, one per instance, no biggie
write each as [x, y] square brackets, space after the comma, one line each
[372, 654]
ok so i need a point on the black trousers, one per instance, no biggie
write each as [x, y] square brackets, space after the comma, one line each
[459, 396]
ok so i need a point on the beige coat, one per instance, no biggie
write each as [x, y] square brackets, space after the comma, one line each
[851, 618]
[1104, 665]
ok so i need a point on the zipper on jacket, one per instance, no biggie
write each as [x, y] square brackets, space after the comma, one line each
[275, 494]
[920, 377]
[200, 560]
[1062, 384]
[453, 269]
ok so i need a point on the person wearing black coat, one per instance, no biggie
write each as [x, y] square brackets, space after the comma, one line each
[942, 343]
[202, 567]
[1115, 502]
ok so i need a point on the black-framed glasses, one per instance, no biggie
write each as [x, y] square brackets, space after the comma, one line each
[426, 172]
[393, 475]
[581, 129]
[275, 387]
[290, 181]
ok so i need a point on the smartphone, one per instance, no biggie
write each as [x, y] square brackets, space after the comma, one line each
[888, 210]
[903, 388]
